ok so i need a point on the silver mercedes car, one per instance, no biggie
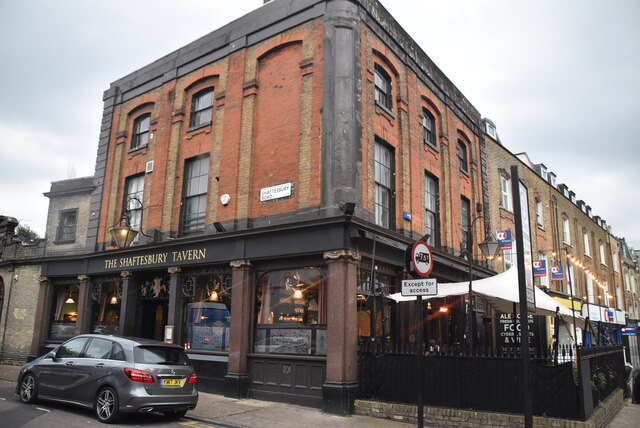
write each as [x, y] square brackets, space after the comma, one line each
[113, 375]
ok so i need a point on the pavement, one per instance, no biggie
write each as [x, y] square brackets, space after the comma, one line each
[246, 413]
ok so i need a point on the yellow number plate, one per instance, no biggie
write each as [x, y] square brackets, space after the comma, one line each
[171, 382]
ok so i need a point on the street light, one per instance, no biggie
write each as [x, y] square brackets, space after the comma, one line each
[490, 249]
[121, 232]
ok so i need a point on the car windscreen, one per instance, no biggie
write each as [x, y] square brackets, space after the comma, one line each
[159, 355]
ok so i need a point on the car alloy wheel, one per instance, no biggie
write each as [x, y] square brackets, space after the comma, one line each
[28, 389]
[107, 405]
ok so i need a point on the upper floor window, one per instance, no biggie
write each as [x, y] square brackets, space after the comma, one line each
[383, 87]
[590, 290]
[587, 249]
[544, 280]
[141, 131]
[509, 258]
[428, 128]
[566, 230]
[431, 219]
[463, 160]
[614, 256]
[384, 184]
[570, 282]
[603, 259]
[201, 108]
[465, 225]
[67, 226]
[194, 204]
[539, 212]
[605, 292]
[505, 187]
[133, 202]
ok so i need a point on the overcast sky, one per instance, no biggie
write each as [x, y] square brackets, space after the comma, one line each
[559, 78]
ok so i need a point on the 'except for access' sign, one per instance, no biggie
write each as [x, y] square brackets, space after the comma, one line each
[419, 287]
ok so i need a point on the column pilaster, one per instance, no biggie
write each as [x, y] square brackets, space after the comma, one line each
[237, 378]
[128, 305]
[341, 385]
[176, 306]
[84, 305]
[40, 324]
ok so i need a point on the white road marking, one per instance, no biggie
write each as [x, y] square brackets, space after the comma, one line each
[43, 410]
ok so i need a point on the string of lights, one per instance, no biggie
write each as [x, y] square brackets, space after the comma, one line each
[577, 263]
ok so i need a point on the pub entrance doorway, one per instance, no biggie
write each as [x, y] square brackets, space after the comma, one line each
[152, 308]
[154, 318]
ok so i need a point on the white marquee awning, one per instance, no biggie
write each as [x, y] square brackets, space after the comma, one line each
[502, 291]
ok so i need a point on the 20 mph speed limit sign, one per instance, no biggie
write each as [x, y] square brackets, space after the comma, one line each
[421, 259]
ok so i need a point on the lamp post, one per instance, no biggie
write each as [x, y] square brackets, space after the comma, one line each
[490, 248]
[121, 232]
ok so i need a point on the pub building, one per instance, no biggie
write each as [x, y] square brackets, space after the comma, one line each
[255, 192]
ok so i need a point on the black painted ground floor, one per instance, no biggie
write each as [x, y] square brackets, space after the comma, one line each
[275, 313]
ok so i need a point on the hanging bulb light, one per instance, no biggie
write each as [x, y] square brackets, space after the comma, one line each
[214, 296]
[114, 300]
[70, 299]
[297, 294]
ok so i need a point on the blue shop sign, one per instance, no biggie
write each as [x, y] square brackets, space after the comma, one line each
[628, 331]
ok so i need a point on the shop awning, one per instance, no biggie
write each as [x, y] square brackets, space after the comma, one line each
[502, 291]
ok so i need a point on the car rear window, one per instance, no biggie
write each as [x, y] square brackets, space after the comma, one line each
[159, 355]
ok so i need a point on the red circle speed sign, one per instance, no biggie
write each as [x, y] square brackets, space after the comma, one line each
[422, 258]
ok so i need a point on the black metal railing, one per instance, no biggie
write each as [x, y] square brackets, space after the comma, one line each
[491, 378]
[606, 370]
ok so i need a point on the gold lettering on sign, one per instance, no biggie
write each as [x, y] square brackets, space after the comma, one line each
[153, 259]
[184, 255]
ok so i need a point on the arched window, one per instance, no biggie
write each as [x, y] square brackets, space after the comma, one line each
[140, 136]
[587, 245]
[428, 128]
[566, 230]
[383, 87]
[539, 213]
[201, 108]
[463, 158]
[506, 201]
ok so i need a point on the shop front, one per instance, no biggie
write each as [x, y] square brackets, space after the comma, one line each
[604, 326]
[275, 315]
[265, 315]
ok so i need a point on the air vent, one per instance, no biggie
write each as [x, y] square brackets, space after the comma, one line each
[149, 167]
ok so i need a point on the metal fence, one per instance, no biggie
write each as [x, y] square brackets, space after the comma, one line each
[603, 368]
[491, 379]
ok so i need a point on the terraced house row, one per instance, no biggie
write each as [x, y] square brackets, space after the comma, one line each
[275, 171]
